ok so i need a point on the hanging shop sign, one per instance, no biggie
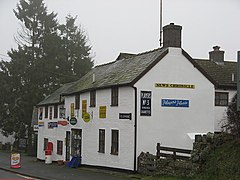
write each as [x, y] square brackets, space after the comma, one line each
[52, 125]
[73, 121]
[84, 107]
[164, 85]
[102, 111]
[174, 103]
[86, 117]
[145, 109]
[125, 116]
[62, 123]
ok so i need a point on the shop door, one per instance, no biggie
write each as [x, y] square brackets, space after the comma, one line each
[68, 137]
[76, 143]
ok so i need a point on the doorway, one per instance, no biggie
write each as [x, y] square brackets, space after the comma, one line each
[68, 137]
[76, 142]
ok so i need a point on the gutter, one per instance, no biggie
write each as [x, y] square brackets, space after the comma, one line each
[135, 130]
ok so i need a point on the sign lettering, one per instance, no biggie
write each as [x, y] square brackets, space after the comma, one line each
[174, 103]
[163, 85]
[145, 109]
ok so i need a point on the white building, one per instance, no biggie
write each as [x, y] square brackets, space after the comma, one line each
[122, 108]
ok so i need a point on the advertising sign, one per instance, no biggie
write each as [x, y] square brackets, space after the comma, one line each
[15, 160]
[164, 85]
[174, 103]
[102, 112]
[62, 123]
[52, 125]
[145, 109]
[86, 117]
[84, 107]
[125, 116]
[73, 121]
[40, 124]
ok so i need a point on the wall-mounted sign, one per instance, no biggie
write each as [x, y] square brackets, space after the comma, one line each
[125, 116]
[164, 85]
[84, 107]
[86, 117]
[73, 121]
[40, 124]
[145, 109]
[62, 123]
[52, 125]
[72, 109]
[102, 111]
[174, 103]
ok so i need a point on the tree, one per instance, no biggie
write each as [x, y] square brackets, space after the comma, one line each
[232, 124]
[48, 55]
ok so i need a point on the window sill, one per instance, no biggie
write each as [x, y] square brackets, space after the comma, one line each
[101, 152]
[114, 105]
[115, 154]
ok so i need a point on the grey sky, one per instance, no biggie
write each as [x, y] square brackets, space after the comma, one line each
[115, 26]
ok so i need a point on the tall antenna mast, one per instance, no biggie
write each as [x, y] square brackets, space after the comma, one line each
[161, 12]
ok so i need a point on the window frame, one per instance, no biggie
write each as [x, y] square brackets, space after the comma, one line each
[101, 140]
[114, 96]
[220, 100]
[59, 147]
[46, 112]
[93, 98]
[114, 142]
[55, 113]
[77, 101]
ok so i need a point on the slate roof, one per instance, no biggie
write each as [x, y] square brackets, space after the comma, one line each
[54, 98]
[220, 73]
[128, 68]
[118, 73]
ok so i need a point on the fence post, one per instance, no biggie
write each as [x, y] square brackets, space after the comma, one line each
[158, 151]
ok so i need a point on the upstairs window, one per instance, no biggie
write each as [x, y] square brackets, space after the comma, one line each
[114, 96]
[221, 99]
[92, 98]
[50, 112]
[77, 101]
[46, 112]
[55, 111]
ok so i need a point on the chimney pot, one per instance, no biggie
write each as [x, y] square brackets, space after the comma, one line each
[217, 55]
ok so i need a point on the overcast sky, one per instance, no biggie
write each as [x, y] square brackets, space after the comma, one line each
[115, 26]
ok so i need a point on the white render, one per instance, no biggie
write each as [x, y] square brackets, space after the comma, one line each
[170, 126]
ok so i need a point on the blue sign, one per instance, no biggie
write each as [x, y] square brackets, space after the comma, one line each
[175, 103]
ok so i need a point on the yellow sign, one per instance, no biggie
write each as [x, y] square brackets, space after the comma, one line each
[102, 111]
[84, 107]
[72, 109]
[86, 117]
[163, 85]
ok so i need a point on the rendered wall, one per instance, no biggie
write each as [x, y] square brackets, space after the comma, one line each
[170, 125]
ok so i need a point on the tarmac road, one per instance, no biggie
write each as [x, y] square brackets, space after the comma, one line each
[34, 168]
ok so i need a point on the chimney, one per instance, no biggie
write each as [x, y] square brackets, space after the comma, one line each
[172, 35]
[217, 55]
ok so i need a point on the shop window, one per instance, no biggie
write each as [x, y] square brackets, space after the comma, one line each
[92, 98]
[45, 143]
[221, 99]
[55, 111]
[114, 96]
[46, 111]
[101, 148]
[77, 101]
[114, 145]
[59, 147]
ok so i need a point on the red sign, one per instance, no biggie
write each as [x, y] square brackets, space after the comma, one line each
[63, 123]
[15, 161]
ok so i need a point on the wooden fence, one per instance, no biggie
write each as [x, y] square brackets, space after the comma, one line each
[174, 153]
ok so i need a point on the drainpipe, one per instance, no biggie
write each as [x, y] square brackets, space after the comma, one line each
[135, 130]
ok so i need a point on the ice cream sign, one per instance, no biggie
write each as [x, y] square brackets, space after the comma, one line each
[175, 103]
